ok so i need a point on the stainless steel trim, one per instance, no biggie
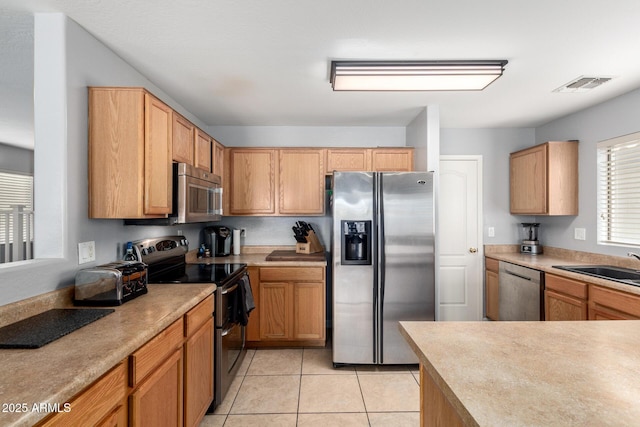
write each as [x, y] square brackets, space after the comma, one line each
[517, 275]
[225, 291]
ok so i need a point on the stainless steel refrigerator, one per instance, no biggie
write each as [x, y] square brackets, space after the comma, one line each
[383, 263]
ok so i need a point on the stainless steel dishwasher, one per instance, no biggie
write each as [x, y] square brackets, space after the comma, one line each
[521, 292]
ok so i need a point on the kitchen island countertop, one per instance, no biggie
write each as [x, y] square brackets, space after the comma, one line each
[58, 371]
[533, 373]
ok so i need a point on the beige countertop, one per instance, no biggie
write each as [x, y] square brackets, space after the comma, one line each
[556, 256]
[534, 373]
[254, 256]
[59, 370]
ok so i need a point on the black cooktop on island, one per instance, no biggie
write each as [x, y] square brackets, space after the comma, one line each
[200, 273]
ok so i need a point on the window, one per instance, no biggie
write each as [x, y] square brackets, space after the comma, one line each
[619, 191]
[16, 190]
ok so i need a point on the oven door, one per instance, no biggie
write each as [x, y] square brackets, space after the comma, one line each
[199, 197]
[229, 339]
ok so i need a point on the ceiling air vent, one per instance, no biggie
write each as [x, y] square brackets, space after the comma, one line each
[583, 84]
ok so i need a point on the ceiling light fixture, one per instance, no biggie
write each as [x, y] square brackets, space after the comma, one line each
[414, 75]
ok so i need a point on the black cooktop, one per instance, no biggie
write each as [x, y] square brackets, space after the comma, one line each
[200, 273]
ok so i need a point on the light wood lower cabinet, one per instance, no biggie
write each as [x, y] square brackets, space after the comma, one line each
[291, 307]
[198, 362]
[157, 402]
[492, 286]
[102, 403]
[611, 304]
[166, 382]
[435, 408]
[564, 299]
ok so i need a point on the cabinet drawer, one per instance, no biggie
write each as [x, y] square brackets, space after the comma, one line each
[491, 264]
[94, 402]
[271, 274]
[197, 316]
[150, 355]
[621, 301]
[566, 286]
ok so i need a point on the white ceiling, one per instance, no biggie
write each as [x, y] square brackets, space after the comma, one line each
[266, 62]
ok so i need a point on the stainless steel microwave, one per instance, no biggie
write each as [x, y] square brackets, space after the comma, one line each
[197, 197]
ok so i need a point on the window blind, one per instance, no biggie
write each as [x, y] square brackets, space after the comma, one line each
[619, 191]
[15, 189]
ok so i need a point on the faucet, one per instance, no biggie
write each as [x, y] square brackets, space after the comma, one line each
[635, 255]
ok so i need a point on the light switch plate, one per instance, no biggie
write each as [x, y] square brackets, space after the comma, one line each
[580, 233]
[491, 232]
[86, 252]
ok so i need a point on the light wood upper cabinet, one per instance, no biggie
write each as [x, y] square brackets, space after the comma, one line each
[301, 181]
[130, 146]
[252, 181]
[218, 158]
[183, 138]
[202, 156]
[392, 159]
[544, 179]
[348, 159]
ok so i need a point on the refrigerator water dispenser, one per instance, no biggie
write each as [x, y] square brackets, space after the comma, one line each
[356, 238]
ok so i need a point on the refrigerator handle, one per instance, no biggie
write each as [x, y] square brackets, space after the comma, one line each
[380, 268]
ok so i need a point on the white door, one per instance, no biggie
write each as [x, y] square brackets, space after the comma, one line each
[460, 238]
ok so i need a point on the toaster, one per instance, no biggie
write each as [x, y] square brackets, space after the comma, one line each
[110, 284]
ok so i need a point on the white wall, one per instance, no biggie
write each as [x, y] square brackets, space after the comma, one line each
[616, 117]
[494, 145]
[67, 60]
[309, 136]
[16, 159]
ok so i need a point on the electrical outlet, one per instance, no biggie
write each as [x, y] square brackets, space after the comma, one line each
[243, 232]
[180, 233]
[580, 233]
[491, 232]
[86, 252]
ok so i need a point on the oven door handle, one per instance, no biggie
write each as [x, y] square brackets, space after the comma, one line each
[227, 290]
[228, 330]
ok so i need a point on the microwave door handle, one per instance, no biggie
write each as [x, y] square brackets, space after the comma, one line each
[218, 192]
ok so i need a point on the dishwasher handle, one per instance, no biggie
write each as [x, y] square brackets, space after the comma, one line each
[518, 275]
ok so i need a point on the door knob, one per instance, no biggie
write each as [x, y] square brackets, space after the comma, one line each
[473, 250]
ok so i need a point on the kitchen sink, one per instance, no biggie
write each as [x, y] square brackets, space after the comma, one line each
[619, 274]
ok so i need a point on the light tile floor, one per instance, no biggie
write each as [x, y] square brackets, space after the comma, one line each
[300, 387]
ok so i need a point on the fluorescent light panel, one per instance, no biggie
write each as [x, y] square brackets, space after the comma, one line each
[414, 75]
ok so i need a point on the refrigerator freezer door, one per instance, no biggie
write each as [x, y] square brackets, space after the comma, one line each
[353, 285]
[406, 258]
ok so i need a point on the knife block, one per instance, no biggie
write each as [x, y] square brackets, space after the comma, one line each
[312, 245]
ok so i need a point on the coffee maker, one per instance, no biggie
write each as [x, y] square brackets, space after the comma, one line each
[530, 243]
[218, 240]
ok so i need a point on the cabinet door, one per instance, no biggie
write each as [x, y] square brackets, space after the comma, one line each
[492, 295]
[348, 159]
[183, 134]
[528, 181]
[301, 181]
[158, 400]
[309, 311]
[612, 304]
[116, 168]
[101, 402]
[276, 310]
[558, 306]
[118, 418]
[203, 151]
[218, 158]
[198, 374]
[252, 180]
[157, 153]
[392, 159]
